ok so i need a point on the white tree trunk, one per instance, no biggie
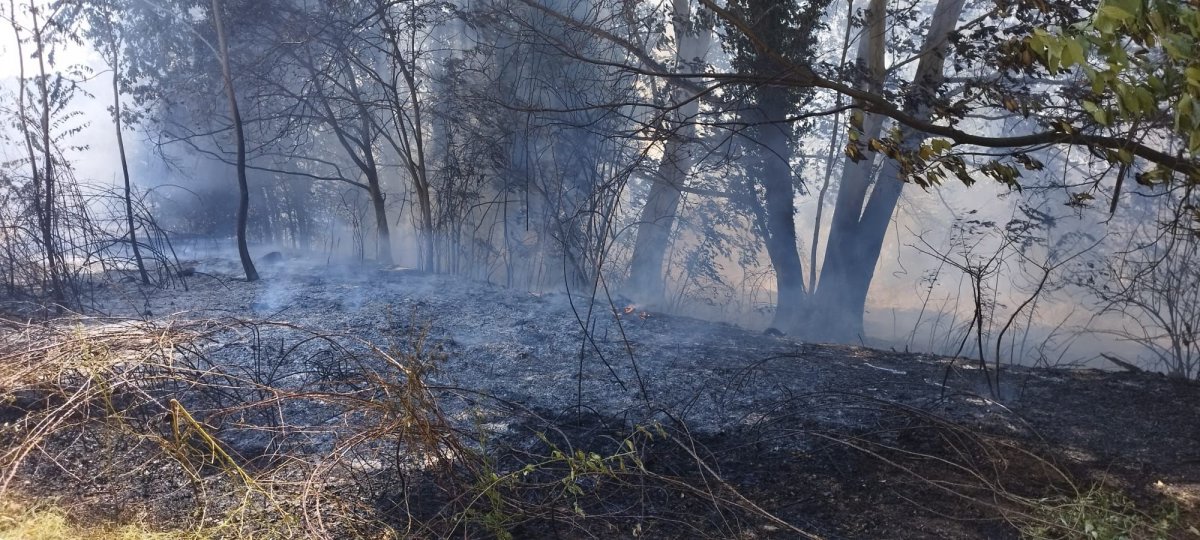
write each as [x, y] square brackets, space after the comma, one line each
[857, 233]
[646, 280]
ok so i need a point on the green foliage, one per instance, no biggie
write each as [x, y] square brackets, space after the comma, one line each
[1096, 514]
[934, 161]
[496, 504]
[1141, 59]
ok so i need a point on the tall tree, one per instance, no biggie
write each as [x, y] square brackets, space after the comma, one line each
[692, 37]
[780, 33]
[399, 79]
[107, 30]
[38, 137]
[857, 232]
[239, 140]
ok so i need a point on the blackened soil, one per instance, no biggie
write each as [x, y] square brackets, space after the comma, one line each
[646, 425]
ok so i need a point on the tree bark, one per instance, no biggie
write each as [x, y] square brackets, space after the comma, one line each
[780, 211]
[857, 233]
[646, 280]
[834, 138]
[383, 235]
[243, 212]
[133, 241]
[657, 217]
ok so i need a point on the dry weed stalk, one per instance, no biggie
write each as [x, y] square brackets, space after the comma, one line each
[157, 382]
[274, 430]
[1019, 483]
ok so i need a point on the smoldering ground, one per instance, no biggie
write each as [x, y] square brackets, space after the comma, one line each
[518, 375]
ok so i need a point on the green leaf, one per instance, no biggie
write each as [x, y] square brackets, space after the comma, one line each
[1193, 76]
[1072, 53]
[1182, 111]
[1099, 114]
[1037, 42]
[1115, 13]
[1145, 100]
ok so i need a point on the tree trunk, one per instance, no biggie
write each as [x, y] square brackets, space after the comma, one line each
[370, 168]
[383, 235]
[417, 164]
[834, 138]
[773, 132]
[646, 280]
[657, 218]
[116, 84]
[243, 212]
[363, 144]
[44, 203]
[857, 234]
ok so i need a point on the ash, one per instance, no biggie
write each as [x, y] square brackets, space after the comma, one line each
[305, 372]
[552, 353]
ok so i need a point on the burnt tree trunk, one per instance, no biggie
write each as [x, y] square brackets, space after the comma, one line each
[133, 241]
[243, 212]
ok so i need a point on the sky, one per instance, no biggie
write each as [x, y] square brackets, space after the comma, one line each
[97, 136]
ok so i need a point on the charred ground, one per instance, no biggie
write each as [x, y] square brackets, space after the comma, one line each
[380, 400]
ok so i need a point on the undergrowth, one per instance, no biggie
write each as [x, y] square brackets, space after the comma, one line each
[1097, 513]
[250, 429]
[47, 522]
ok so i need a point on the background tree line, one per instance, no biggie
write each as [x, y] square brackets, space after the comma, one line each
[656, 149]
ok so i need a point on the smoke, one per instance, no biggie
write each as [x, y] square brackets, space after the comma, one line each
[545, 186]
[96, 137]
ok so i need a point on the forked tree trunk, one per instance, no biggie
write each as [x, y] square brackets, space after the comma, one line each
[829, 322]
[243, 185]
[857, 233]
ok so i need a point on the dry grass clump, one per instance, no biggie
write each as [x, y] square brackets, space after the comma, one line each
[212, 424]
[250, 429]
[1021, 483]
[48, 522]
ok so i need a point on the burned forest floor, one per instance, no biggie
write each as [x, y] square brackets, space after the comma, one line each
[348, 402]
